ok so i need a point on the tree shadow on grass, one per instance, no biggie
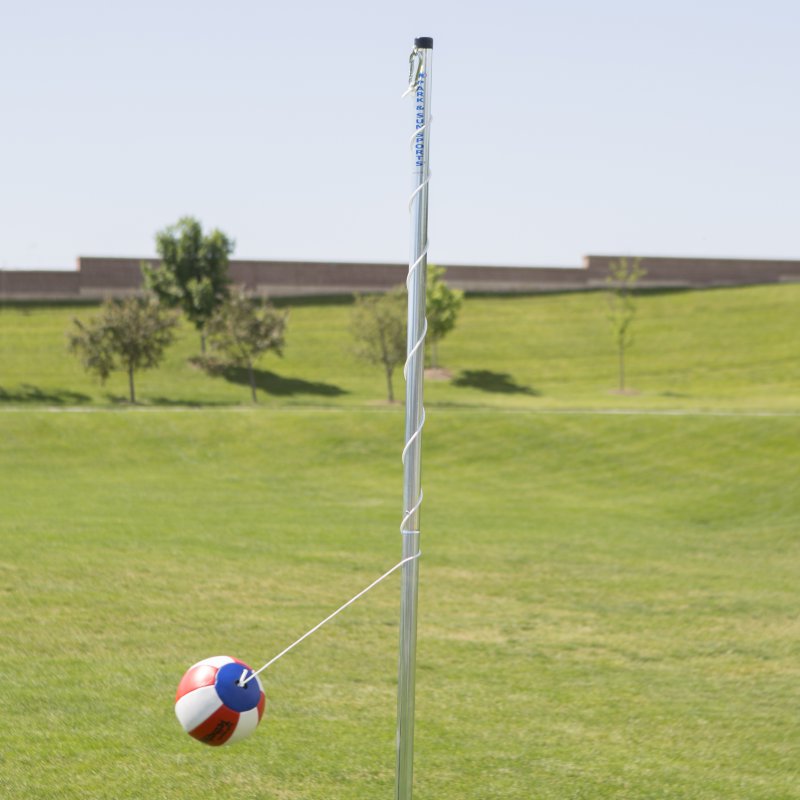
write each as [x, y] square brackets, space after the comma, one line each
[177, 402]
[33, 394]
[489, 381]
[266, 381]
[120, 399]
[278, 385]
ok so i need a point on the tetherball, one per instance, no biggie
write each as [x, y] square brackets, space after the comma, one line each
[214, 705]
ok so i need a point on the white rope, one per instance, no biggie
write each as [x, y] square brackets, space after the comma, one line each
[417, 132]
[330, 617]
[413, 351]
[414, 74]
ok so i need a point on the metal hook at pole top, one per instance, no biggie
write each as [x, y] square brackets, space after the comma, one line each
[414, 69]
[415, 61]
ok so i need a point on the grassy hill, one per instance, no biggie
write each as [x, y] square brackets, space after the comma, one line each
[608, 602]
[732, 348]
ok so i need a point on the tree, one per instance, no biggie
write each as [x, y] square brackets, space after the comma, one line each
[442, 305]
[243, 329]
[378, 325]
[128, 335]
[621, 281]
[193, 275]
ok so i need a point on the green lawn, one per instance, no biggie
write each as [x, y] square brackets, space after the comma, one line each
[608, 603]
[731, 349]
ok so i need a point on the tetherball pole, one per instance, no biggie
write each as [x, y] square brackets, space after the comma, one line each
[420, 90]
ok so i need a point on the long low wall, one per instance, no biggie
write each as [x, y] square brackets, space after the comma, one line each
[700, 272]
[96, 278]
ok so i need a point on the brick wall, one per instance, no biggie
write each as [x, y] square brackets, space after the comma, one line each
[699, 272]
[39, 284]
[103, 277]
[97, 278]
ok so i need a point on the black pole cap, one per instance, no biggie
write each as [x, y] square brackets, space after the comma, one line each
[424, 42]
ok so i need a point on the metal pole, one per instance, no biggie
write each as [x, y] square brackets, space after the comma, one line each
[420, 89]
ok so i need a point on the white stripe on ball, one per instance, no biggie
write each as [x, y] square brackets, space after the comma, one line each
[248, 720]
[197, 706]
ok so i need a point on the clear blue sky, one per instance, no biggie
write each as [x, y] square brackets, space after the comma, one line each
[561, 128]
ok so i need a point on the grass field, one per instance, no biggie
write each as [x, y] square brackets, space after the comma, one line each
[608, 603]
[732, 349]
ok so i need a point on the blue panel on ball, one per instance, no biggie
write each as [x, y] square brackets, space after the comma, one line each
[238, 698]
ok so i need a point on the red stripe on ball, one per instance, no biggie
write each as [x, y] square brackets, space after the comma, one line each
[203, 675]
[218, 728]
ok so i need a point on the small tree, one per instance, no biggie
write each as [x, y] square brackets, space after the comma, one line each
[128, 335]
[378, 325]
[621, 281]
[442, 306]
[193, 275]
[243, 329]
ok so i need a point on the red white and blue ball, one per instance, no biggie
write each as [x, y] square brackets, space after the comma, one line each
[214, 705]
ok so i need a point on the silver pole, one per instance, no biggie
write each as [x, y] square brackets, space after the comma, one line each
[420, 89]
